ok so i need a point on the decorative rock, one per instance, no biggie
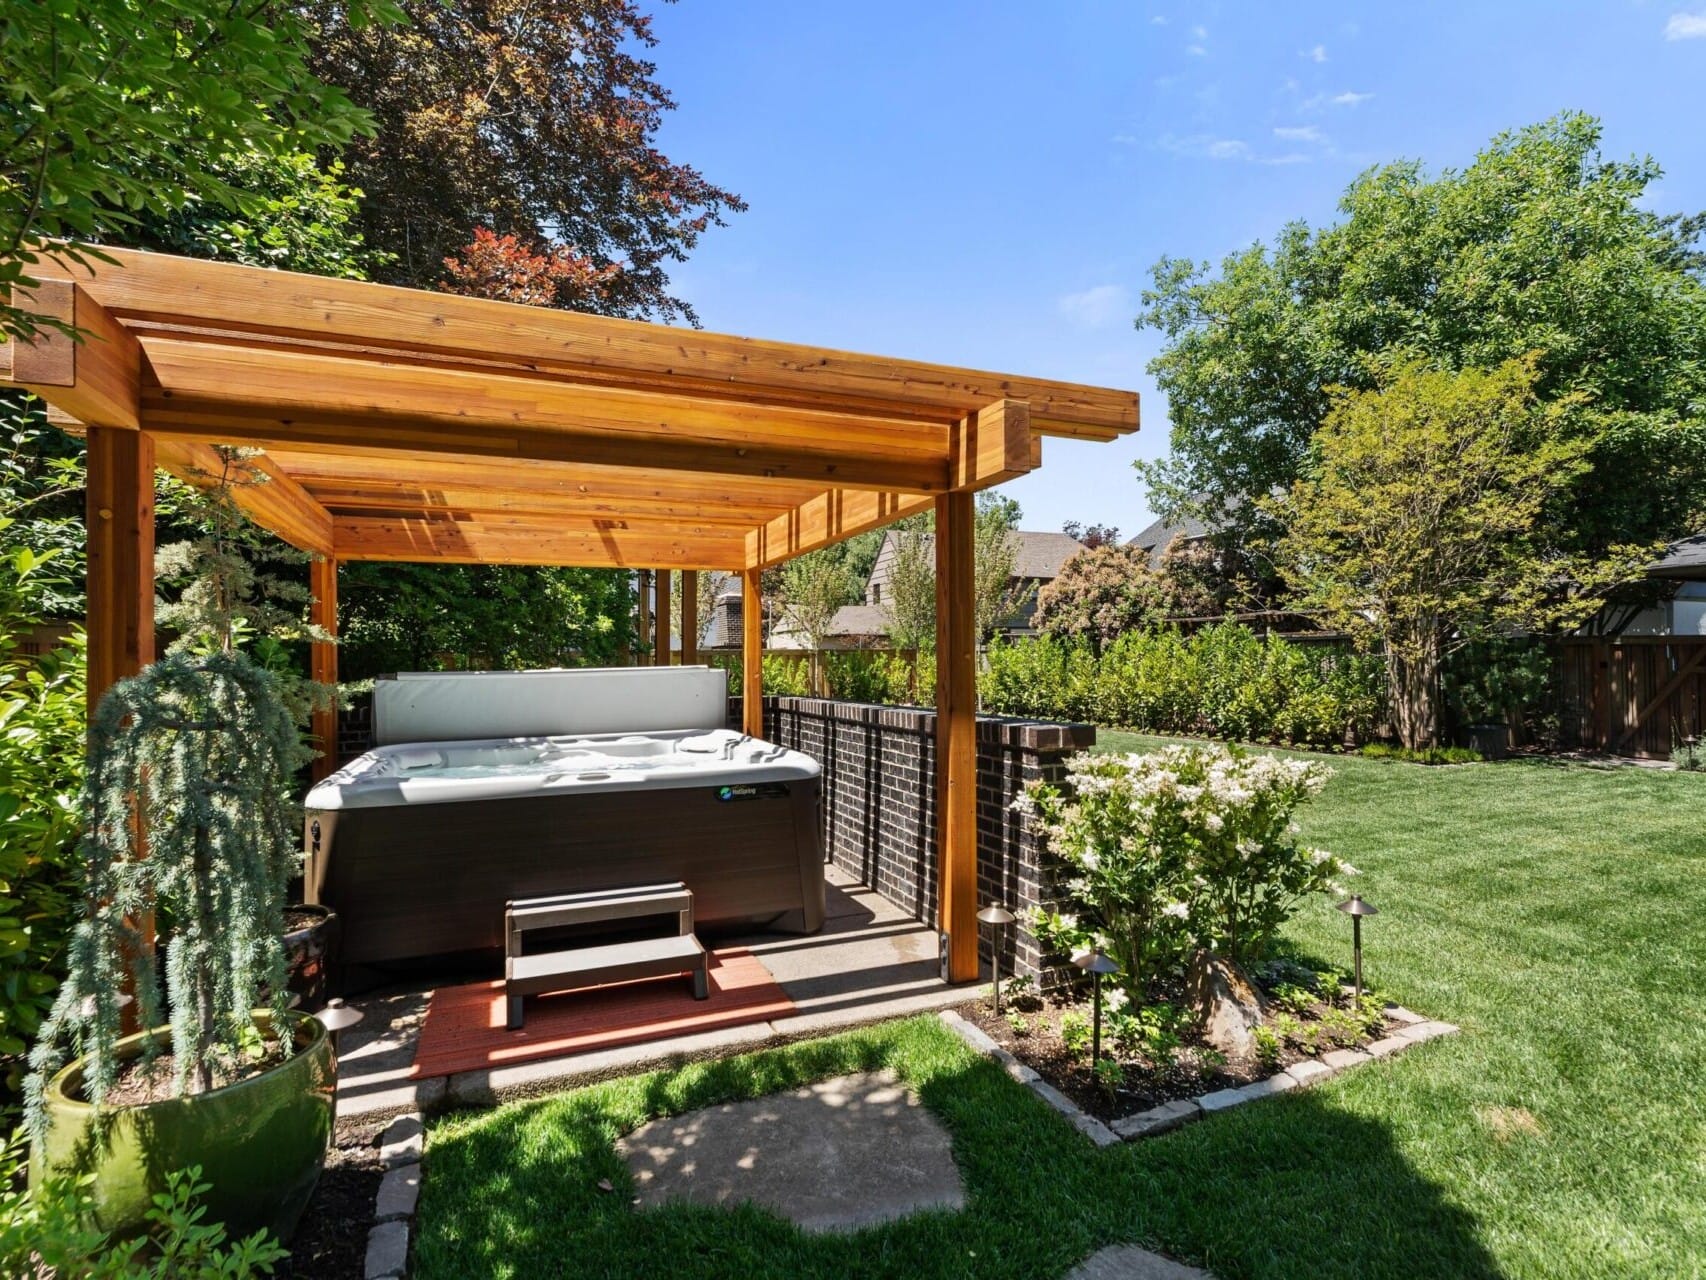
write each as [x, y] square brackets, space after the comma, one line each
[387, 1250]
[1158, 1120]
[399, 1189]
[1391, 1044]
[403, 1141]
[1279, 1083]
[1227, 1007]
[1308, 1071]
[1222, 1100]
[1341, 1059]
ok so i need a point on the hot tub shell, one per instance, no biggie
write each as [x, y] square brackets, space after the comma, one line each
[418, 845]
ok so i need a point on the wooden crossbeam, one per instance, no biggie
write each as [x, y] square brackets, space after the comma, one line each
[993, 446]
[162, 289]
[487, 504]
[406, 539]
[95, 378]
[832, 516]
[278, 503]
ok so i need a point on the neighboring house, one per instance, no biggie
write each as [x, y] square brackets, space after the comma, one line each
[1159, 536]
[720, 629]
[1038, 559]
[1684, 612]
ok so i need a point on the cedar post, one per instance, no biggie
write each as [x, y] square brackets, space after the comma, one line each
[956, 738]
[752, 652]
[643, 620]
[120, 522]
[689, 618]
[661, 613]
[323, 661]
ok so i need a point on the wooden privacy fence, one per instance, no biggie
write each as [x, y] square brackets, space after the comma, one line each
[1632, 696]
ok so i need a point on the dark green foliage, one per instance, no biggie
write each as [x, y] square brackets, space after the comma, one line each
[198, 754]
[1223, 681]
[1421, 755]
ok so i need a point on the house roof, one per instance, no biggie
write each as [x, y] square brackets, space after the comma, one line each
[1040, 552]
[1683, 559]
[1160, 534]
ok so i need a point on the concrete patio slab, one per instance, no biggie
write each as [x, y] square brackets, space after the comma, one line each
[838, 1154]
[871, 962]
[1128, 1262]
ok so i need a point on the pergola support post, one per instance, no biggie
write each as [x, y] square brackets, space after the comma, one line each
[323, 662]
[956, 738]
[689, 618]
[643, 616]
[661, 613]
[752, 652]
[120, 524]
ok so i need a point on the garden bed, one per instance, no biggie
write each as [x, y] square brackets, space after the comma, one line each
[331, 1242]
[1154, 1056]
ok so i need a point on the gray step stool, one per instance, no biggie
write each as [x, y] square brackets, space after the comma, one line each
[589, 966]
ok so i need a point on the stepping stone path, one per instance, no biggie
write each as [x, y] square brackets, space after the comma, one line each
[1128, 1262]
[842, 1153]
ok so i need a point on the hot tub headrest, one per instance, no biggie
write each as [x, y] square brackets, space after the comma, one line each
[458, 706]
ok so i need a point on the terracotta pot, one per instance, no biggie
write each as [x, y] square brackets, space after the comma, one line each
[260, 1142]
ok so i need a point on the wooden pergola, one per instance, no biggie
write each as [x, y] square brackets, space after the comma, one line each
[405, 425]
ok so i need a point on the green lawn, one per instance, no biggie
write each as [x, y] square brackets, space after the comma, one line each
[1553, 911]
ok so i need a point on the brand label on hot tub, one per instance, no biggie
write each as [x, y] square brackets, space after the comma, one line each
[752, 791]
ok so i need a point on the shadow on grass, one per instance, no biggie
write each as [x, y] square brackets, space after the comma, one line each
[1291, 1186]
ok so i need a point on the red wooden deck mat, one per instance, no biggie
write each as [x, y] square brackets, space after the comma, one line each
[464, 1028]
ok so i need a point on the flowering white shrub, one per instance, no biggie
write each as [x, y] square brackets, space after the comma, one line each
[1183, 849]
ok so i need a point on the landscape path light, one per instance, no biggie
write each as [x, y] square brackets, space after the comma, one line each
[1000, 917]
[1356, 909]
[335, 1017]
[1096, 963]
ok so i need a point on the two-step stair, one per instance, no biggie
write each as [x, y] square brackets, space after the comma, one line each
[589, 966]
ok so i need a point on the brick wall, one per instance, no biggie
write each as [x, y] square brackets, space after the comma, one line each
[879, 804]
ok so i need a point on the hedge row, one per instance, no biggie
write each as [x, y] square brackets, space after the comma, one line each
[1223, 681]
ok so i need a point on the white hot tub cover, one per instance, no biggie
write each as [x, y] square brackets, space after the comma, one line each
[460, 706]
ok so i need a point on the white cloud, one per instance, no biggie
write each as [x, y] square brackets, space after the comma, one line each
[1097, 307]
[1125, 140]
[1207, 146]
[1196, 50]
[1289, 157]
[1159, 20]
[1299, 133]
[1200, 33]
[1686, 26]
[1350, 99]
[1317, 54]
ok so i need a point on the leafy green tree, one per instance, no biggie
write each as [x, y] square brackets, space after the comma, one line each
[516, 143]
[814, 587]
[1541, 245]
[1420, 525]
[911, 600]
[997, 593]
[115, 110]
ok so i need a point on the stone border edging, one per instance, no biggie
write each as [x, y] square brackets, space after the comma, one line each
[1171, 1115]
[400, 1150]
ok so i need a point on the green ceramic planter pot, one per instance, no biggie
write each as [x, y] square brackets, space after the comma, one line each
[260, 1142]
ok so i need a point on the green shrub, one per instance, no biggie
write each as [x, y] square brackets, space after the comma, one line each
[41, 772]
[787, 676]
[1421, 755]
[1222, 681]
[45, 1232]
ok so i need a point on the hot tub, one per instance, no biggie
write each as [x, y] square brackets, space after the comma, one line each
[418, 844]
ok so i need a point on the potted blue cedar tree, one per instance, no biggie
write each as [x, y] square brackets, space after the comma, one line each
[188, 824]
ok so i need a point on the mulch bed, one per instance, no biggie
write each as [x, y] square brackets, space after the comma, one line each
[1194, 1069]
[331, 1241]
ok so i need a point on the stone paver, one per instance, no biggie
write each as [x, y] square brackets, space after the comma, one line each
[1222, 1100]
[387, 1250]
[841, 1153]
[1427, 1031]
[1387, 1045]
[1398, 1013]
[1157, 1120]
[1308, 1071]
[399, 1190]
[1128, 1262]
[1279, 1083]
[402, 1142]
[1344, 1059]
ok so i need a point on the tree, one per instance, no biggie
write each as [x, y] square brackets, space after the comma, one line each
[814, 587]
[116, 110]
[911, 600]
[528, 127]
[1101, 593]
[1193, 579]
[1541, 245]
[1420, 524]
[997, 593]
[1091, 535]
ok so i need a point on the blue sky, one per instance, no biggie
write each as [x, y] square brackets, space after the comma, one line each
[988, 183]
